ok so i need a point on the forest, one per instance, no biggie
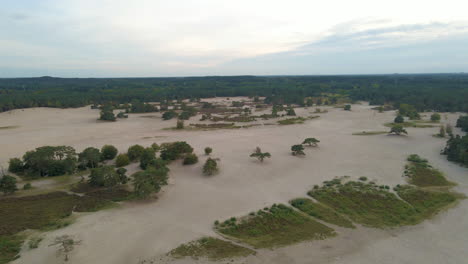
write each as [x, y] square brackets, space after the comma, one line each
[435, 92]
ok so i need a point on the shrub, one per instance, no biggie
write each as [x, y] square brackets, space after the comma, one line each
[347, 107]
[134, 152]
[8, 184]
[399, 119]
[297, 150]
[149, 181]
[435, 117]
[180, 124]
[146, 157]
[15, 166]
[363, 178]
[155, 146]
[108, 152]
[27, 186]
[169, 115]
[173, 151]
[210, 167]
[122, 160]
[190, 159]
[208, 150]
[104, 176]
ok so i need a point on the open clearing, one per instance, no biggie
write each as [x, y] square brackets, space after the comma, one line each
[186, 208]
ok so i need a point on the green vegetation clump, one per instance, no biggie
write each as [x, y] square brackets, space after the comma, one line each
[321, 212]
[292, 121]
[422, 174]
[107, 114]
[175, 150]
[134, 152]
[190, 159]
[457, 146]
[297, 150]
[398, 130]
[259, 154]
[211, 167]
[208, 150]
[122, 160]
[108, 152]
[279, 225]
[46, 161]
[210, 248]
[10, 247]
[8, 184]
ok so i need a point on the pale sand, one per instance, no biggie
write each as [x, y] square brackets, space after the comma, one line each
[187, 208]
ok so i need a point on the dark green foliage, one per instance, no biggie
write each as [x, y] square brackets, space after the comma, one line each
[169, 115]
[409, 111]
[105, 176]
[27, 186]
[90, 157]
[435, 117]
[311, 141]
[210, 167]
[147, 156]
[462, 122]
[276, 226]
[155, 146]
[175, 150]
[15, 165]
[107, 114]
[399, 119]
[260, 155]
[108, 152]
[190, 159]
[297, 150]
[50, 161]
[457, 149]
[398, 130]
[8, 184]
[149, 181]
[439, 92]
[134, 152]
[122, 160]
[208, 150]
[321, 212]
[139, 107]
[189, 112]
[211, 248]
[347, 107]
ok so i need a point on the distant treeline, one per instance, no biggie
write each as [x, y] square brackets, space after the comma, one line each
[438, 92]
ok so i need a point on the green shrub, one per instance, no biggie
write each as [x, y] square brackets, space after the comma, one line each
[134, 152]
[122, 160]
[190, 159]
[108, 152]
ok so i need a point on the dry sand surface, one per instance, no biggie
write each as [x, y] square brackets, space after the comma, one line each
[186, 209]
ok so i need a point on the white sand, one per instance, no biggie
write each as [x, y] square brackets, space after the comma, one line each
[187, 208]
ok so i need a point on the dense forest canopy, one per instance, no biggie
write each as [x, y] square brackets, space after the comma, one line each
[438, 92]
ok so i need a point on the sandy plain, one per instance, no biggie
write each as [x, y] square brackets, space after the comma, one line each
[143, 232]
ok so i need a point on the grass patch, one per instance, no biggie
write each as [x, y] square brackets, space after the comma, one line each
[369, 133]
[376, 206]
[422, 174]
[210, 248]
[321, 212]
[292, 121]
[278, 225]
[8, 127]
[415, 124]
[10, 247]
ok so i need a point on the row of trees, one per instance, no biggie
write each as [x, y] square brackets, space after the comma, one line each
[438, 92]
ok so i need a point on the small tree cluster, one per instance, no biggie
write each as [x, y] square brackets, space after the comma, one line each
[260, 155]
[398, 130]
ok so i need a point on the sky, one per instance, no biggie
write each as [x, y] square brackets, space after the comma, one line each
[152, 38]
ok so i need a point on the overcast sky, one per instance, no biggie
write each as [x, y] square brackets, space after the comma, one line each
[123, 38]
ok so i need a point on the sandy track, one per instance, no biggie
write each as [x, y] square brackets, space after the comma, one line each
[187, 207]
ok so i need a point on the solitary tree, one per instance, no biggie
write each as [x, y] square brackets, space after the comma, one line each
[442, 131]
[208, 150]
[134, 152]
[180, 124]
[210, 167]
[435, 117]
[260, 155]
[66, 245]
[449, 129]
[311, 141]
[107, 114]
[347, 107]
[108, 152]
[297, 150]
[122, 160]
[190, 159]
[399, 119]
[398, 130]
[8, 184]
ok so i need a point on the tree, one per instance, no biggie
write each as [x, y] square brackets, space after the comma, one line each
[190, 159]
[89, 157]
[134, 152]
[297, 150]
[147, 156]
[169, 115]
[435, 117]
[107, 114]
[180, 124]
[309, 102]
[15, 166]
[50, 161]
[122, 160]
[441, 131]
[311, 141]
[104, 176]
[8, 184]
[66, 245]
[108, 152]
[398, 130]
[175, 150]
[290, 112]
[347, 107]
[399, 119]
[449, 129]
[260, 155]
[210, 167]
[122, 175]
[149, 181]
[208, 150]
[155, 146]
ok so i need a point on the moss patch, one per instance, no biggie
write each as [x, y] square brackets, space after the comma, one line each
[210, 248]
[278, 225]
[321, 212]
